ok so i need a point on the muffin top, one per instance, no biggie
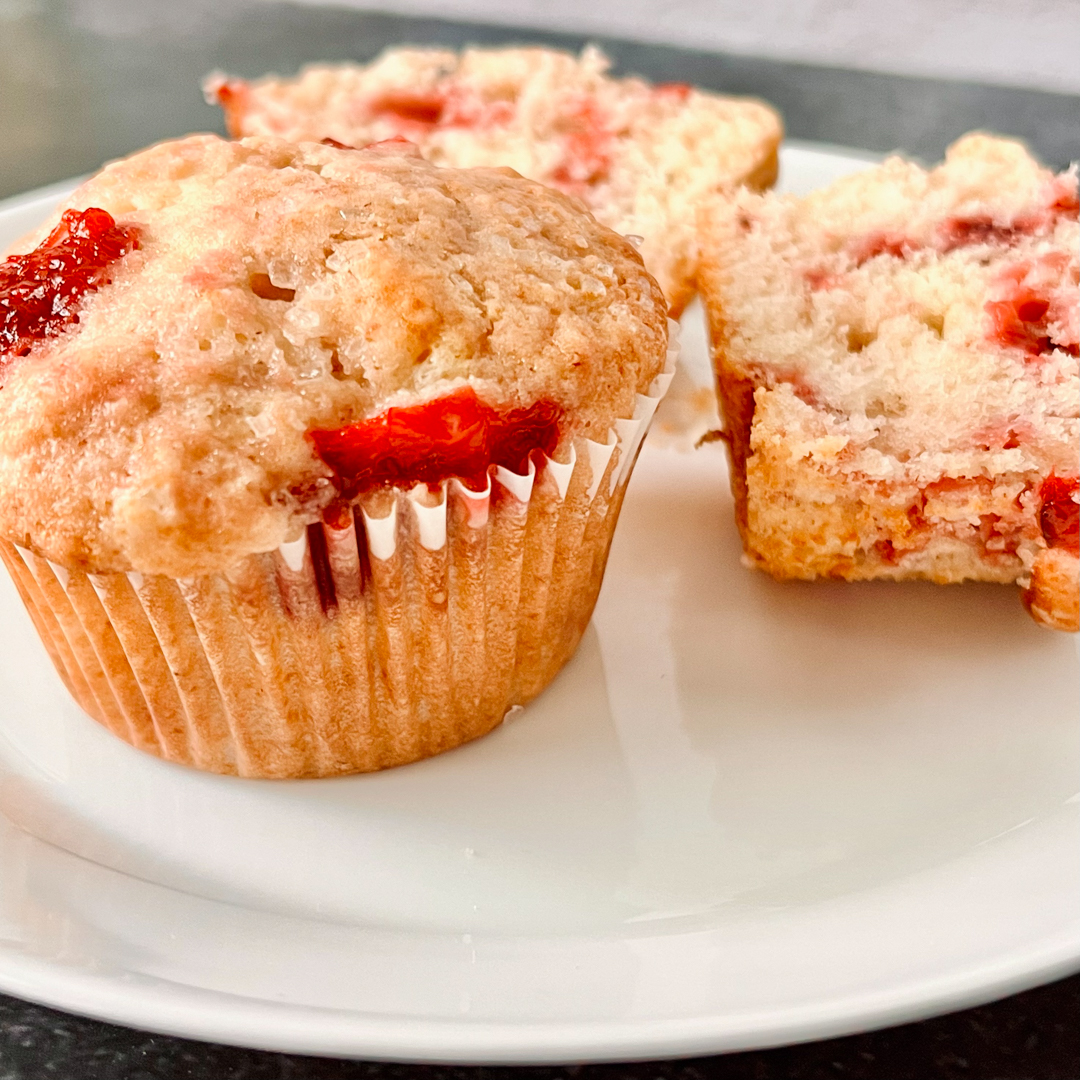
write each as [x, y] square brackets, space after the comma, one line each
[160, 416]
[642, 157]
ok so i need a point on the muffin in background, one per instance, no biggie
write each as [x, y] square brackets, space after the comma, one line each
[897, 360]
[310, 463]
[641, 157]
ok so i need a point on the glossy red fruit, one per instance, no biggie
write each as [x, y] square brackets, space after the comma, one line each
[453, 436]
[40, 292]
[1059, 513]
[411, 107]
[1020, 321]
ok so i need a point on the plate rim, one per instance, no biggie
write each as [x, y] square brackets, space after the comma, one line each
[185, 1011]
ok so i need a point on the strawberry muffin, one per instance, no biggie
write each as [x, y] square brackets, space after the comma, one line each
[310, 457]
[897, 362]
[641, 157]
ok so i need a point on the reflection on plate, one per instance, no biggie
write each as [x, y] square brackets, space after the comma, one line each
[746, 813]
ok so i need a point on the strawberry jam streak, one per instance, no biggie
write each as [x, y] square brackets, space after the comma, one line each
[448, 107]
[410, 107]
[40, 292]
[959, 232]
[453, 436]
[587, 147]
[895, 245]
[1059, 514]
[952, 234]
[1028, 312]
[1020, 322]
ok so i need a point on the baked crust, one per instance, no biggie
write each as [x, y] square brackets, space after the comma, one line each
[878, 425]
[641, 157]
[281, 288]
[1052, 595]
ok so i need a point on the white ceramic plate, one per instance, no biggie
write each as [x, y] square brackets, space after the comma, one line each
[745, 814]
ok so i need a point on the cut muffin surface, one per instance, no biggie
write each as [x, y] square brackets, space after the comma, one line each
[641, 157]
[896, 357]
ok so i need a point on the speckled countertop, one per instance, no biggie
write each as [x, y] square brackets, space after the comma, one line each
[1032, 1036]
[82, 81]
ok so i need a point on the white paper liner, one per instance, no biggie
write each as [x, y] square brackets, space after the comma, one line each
[394, 635]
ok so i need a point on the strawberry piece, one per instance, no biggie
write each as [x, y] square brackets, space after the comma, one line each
[1059, 512]
[40, 292]
[457, 435]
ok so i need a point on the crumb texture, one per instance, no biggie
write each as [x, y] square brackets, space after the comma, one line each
[897, 356]
[282, 288]
[641, 157]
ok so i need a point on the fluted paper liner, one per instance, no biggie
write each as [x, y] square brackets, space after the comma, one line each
[412, 628]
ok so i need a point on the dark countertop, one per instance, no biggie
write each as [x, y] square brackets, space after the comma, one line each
[1031, 1036]
[82, 81]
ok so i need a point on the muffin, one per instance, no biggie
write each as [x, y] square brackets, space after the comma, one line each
[310, 457]
[897, 363]
[641, 157]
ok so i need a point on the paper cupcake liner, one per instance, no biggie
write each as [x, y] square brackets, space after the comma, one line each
[408, 629]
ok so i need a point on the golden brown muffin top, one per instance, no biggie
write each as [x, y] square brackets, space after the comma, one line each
[281, 288]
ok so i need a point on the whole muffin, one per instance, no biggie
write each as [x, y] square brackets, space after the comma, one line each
[310, 457]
